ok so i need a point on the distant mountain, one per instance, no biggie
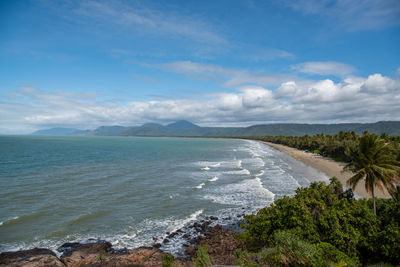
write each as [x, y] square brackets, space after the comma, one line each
[182, 125]
[108, 130]
[61, 131]
[186, 128]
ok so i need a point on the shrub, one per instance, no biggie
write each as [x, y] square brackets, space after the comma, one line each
[167, 260]
[342, 229]
[202, 259]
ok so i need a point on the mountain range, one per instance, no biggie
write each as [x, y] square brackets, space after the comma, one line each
[186, 128]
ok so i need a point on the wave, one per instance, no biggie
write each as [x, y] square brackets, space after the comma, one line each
[259, 182]
[9, 220]
[216, 164]
[246, 171]
[213, 179]
[260, 173]
[206, 168]
[241, 172]
[200, 186]
[239, 163]
[86, 217]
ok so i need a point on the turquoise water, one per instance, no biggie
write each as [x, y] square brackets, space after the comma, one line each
[129, 189]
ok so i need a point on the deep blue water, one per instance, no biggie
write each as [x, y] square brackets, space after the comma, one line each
[129, 189]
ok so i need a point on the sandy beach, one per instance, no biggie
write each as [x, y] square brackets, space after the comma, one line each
[327, 166]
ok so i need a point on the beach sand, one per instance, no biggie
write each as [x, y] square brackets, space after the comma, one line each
[327, 166]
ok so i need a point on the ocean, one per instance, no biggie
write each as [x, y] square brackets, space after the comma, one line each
[131, 191]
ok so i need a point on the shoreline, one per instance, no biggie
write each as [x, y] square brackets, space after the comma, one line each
[327, 166]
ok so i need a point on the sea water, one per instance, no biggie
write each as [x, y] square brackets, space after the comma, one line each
[132, 190]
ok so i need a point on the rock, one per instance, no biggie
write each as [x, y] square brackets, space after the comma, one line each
[222, 245]
[89, 252]
[191, 251]
[32, 257]
[166, 240]
[213, 218]
[172, 235]
[186, 236]
[121, 251]
[67, 247]
[157, 245]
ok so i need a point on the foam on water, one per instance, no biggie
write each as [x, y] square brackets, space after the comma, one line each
[239, 164]
[9, 221]
[216, 164]
[215, 178]
[205, 168]
[200, 186]
[260, 173]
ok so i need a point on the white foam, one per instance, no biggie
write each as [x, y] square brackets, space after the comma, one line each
[241, 172]
[206, 168]
[216, 164]
[9, 220]
[260, 173]
[246, 171]
[259, 182]
[200, 186]
[213, 179]
[239, 163]
[248, 193]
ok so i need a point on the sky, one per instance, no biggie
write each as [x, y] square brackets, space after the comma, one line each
[84, 64]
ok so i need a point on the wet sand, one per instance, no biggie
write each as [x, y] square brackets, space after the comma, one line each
[327, 166]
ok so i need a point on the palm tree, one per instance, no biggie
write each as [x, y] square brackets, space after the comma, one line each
[373, 161]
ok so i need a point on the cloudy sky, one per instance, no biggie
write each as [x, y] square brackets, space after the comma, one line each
[84, 64]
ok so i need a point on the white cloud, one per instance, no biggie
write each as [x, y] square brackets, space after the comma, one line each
[228, 77]
[354, 15]
[352, 100]
[136, 17]
[325, 68]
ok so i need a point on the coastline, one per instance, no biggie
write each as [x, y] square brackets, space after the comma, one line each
[327, 166]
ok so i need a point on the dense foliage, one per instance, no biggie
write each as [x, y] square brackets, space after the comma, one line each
[322, 225]
[333, 146]
[372, 161]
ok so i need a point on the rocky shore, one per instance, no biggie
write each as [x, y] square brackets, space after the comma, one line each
[221, 242]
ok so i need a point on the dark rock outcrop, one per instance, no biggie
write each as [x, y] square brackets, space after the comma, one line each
[221, 245]
[30, 258]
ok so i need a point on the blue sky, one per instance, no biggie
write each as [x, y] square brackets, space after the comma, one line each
[84, 64]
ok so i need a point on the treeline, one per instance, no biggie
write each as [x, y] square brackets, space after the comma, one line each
[333, 146]
[322, 226]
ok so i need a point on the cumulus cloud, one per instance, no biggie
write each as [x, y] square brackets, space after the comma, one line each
[324, 68]
[369, 99]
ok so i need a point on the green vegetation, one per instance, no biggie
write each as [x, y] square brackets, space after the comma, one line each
[167, 260]
[322, 226]
[202, 259]
[334, 146]
[373, 161]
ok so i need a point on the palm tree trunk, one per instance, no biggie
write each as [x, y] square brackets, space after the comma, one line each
[373, 199]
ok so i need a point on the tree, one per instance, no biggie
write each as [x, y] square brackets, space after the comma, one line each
[372, 161]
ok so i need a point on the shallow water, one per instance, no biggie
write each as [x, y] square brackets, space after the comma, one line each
[128, 190]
